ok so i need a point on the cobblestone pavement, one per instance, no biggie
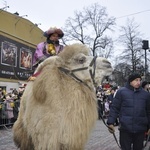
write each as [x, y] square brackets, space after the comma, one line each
[100, 139]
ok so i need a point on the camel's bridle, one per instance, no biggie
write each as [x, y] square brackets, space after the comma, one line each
[92, 73]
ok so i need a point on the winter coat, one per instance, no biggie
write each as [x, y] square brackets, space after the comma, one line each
[16, 108]
[9, 108]
[133, 107]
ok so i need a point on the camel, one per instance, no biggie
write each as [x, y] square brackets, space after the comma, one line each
[58, 108]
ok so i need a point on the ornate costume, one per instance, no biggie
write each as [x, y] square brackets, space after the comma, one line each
[45, 50]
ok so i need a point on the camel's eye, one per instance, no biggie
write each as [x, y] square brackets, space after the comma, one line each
[81, 60]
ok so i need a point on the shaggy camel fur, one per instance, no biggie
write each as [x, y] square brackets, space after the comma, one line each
[57, 111]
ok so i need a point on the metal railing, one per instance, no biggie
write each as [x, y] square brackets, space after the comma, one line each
[8, 113]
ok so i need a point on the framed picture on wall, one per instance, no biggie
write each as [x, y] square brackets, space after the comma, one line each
[25, 58]
[8, 54]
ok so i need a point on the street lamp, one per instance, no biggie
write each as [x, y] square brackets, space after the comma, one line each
[2, 9]
[145, 46]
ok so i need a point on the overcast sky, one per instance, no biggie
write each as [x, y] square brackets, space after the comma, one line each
[54, 13]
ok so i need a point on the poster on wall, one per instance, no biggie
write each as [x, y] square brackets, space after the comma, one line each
[25, 59]
[15, 59]
[8, 54]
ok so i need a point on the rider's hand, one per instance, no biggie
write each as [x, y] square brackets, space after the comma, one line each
[111, 128]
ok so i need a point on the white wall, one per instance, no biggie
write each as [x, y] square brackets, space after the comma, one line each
[10, 85]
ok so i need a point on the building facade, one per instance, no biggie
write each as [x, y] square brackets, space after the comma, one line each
[18, 40]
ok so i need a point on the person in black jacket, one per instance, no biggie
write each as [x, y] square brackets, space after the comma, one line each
[145, 86]
[110, 99]
[132, 104]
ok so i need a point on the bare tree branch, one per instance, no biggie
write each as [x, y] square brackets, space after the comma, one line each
[89, 27]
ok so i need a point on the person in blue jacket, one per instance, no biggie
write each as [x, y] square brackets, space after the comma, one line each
[132, 104]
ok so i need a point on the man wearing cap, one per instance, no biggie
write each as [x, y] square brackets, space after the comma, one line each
[145, 86]
[132, 104]
[49, 48]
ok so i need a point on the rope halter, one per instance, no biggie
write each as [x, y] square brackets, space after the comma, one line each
[91, 66]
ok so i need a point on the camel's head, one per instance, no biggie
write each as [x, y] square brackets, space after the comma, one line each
[77, 60]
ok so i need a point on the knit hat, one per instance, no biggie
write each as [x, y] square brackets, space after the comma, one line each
[144, 83]
[133, 76]
[53, 30]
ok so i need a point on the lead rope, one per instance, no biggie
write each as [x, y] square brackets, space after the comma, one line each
[148, 137]
[92, 74]
[146, 142]
[110, 128]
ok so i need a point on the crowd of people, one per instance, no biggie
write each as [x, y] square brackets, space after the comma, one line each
[9, 106]
[105, 99]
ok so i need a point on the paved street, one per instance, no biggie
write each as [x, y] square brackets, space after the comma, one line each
[100, 139]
